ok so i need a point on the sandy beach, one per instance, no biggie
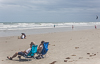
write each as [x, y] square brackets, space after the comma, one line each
[71, 47]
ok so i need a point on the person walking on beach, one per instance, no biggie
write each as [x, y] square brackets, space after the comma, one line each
[22, 53]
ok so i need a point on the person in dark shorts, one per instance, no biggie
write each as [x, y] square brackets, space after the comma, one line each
[22, 53]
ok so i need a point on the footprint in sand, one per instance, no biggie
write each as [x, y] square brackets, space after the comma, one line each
[73, 55]
[93, 54]
[70, 61]
[80, 57]
[76, 47]
[53, 62]
[88, 58]
[68, 58]
[65, 60]
[88, 53]
[53, 45]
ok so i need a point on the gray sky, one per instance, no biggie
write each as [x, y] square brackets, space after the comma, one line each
[49, 10]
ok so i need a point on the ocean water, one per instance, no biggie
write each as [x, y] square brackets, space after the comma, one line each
[16, 28]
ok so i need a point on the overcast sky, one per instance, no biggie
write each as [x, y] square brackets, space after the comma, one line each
[49, 10]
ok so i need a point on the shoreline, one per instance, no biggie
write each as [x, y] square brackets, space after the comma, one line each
[5, 33]
[82, 47]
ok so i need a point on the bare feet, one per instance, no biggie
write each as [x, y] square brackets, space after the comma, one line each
[9, 58]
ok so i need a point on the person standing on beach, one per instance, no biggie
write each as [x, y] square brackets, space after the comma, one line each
[72, 26]
[54, 26]
[22, 53]
[95, 27]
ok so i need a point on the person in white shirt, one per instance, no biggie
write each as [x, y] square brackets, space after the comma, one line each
[22, 53]
[22, 36]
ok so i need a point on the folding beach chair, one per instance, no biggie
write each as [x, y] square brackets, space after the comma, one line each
[31, 53]
[44, 50]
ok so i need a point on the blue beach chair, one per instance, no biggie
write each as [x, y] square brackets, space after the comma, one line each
[44, 50]
[31, 53]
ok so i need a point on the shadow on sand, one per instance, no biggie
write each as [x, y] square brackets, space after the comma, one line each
[23, 60]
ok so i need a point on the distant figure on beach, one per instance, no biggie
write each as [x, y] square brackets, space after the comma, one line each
[72, 26]
[22, 53]
[54, 26]
[23, 36]
[95, 27]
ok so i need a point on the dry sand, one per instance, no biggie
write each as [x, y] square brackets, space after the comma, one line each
[72, 47]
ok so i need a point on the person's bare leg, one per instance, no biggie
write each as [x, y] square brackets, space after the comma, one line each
[10, 58]
[15, 55]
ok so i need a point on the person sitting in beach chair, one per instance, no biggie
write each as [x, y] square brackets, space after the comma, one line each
[32, 52]
[42, 49]
[22, 53]
[23, 36]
